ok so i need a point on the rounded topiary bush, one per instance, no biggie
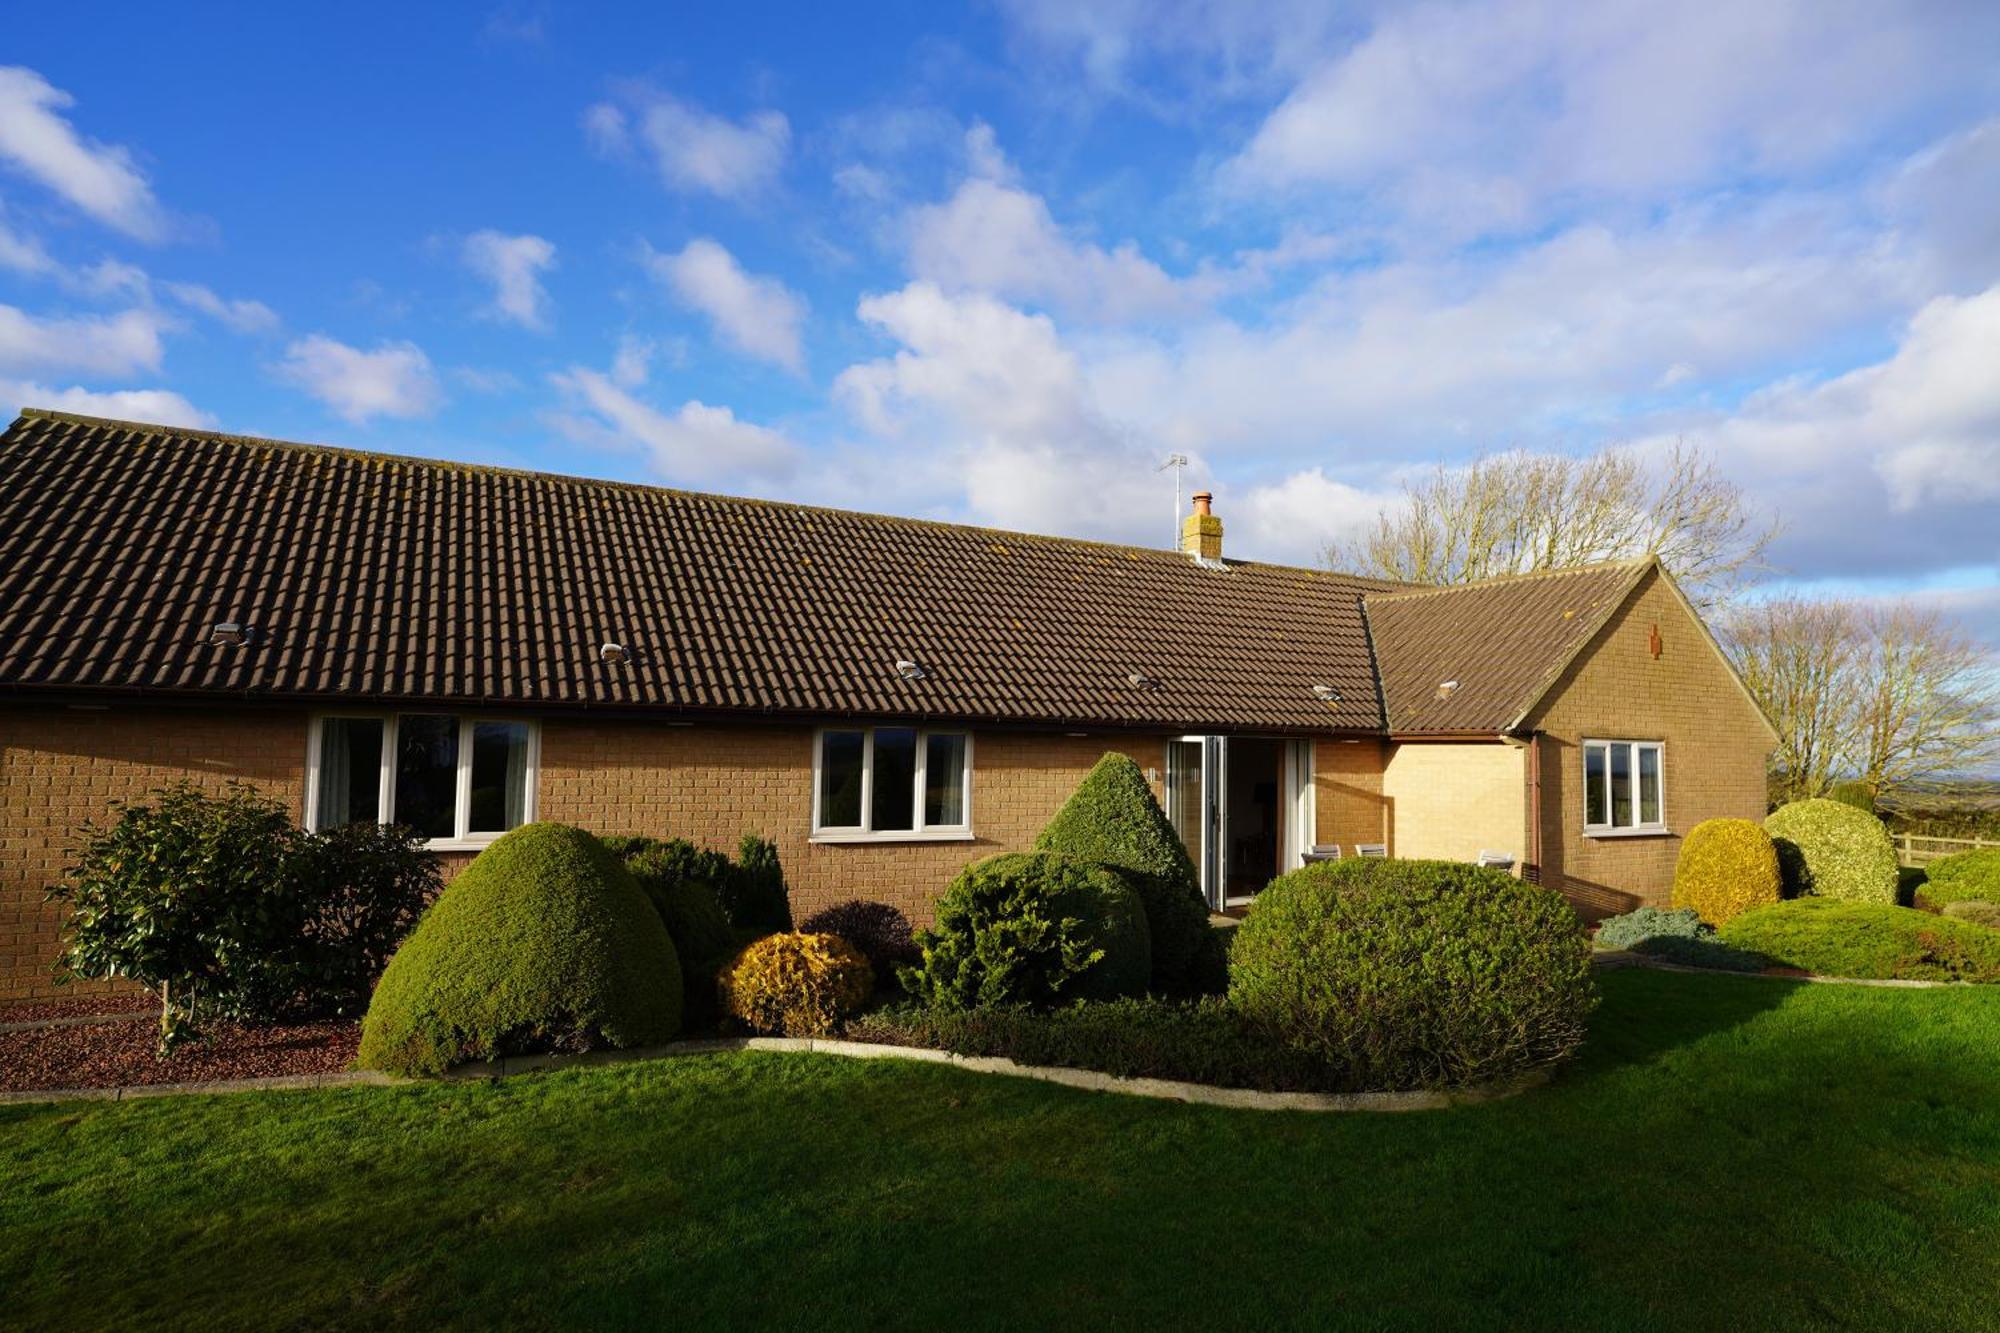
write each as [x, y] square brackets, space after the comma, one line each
[1726, 867]
[1878, 941]
[1033, 928]
[1972, 876]
[796, 984]
[1112, 817]
[1414, 973]
[1830, 850]
[543, 943]
[878, 931]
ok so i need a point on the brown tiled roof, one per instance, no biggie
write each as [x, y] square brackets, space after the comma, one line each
[1503, 641]
[365, 577]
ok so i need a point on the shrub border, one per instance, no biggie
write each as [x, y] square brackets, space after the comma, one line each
[1090, 1080]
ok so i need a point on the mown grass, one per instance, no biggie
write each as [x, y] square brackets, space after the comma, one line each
[1730, 1153]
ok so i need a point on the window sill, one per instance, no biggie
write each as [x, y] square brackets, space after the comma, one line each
[1650, 831]
[461, 844]
[837, 838]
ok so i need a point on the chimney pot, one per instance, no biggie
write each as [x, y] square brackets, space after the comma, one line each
[1202, 502]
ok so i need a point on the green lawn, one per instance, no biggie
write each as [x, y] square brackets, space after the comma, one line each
[1732, 1153]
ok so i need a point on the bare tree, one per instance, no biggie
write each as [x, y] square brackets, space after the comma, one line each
[1929, 703]
[1890, 694]
[1516, 513]
[1799, 659]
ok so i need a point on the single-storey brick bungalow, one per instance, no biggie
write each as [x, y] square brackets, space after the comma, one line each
[464, 648]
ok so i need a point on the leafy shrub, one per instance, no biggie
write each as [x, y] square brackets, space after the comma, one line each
[1674, 937]
[693, 916]
[1857, 794]
[1873, 940]
[1972, 876]
[220, 905]
[755, 897]
[1199, 1041]
[1830, 850]
[796, 984]
[361, 889]
[1033, 928]
[1414, 973]
[879, 932]
[1112, 817]
[1647, 923]
[543, 943]
[1976, 910]
[1726, 867]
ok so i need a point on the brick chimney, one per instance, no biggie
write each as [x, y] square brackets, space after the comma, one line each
[1201, 531]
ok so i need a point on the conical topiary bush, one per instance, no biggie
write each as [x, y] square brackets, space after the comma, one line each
[543, 943]
[1112, 817]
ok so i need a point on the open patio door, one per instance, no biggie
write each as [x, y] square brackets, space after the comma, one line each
[1195, 778]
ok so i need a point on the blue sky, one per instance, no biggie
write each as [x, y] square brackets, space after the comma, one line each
[993, 263]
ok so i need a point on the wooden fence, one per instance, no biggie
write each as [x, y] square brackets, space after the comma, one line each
[1914, 849]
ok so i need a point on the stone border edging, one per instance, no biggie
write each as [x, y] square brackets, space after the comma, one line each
[1089, 1080]
[1627, 958]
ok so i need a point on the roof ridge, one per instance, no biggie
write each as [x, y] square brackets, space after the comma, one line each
[1566, 571]
[1369, 584]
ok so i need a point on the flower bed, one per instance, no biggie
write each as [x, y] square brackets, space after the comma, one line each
[122, 1054]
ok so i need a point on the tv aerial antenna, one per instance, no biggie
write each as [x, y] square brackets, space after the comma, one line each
[1176, 462]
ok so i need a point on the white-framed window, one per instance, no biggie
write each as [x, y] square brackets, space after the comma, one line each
[891, 784]
[460, 780]
[1624, 787]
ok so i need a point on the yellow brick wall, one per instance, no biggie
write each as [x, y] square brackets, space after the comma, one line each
[1713, 760]
[60, 767]
[1449, 801]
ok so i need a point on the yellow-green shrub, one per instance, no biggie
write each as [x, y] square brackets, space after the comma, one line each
[1726, 867]
[795, 984]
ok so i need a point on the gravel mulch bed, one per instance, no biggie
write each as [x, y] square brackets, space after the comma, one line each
[110, 1055]
[88, 1007]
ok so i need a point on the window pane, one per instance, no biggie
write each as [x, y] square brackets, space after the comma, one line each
[427, 773]
[1594, 811]
[350, 771]
[1649, 784]
[1621, 786]
[840, 779]
[1184, 794]
[944, 780]
[893, 794]
[499, 776]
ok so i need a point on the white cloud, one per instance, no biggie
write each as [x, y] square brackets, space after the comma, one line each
[758, 316]
[695, 444]
[86, 344]
[632, 362]
[1475, 117]
[158, 406]
[692, 149]
[101, 179]
[1944, 198]
[1293, 520]
[241, 315]
[514, 265]
[23, 253]
[394, 380]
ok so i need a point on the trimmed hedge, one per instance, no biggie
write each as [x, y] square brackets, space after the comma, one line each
[878, 931]
[1033, 928]
[1972, 876]
[703, 940]
[1199, 1041]
[1870, 940]
[1112, 817]
[751, 888]
[1726, 867]
[543, 943]
[1830, 850]
[1414, 973]
[794, 984]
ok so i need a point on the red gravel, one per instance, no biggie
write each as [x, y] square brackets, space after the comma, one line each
[94, 1004]
[109, 1055]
